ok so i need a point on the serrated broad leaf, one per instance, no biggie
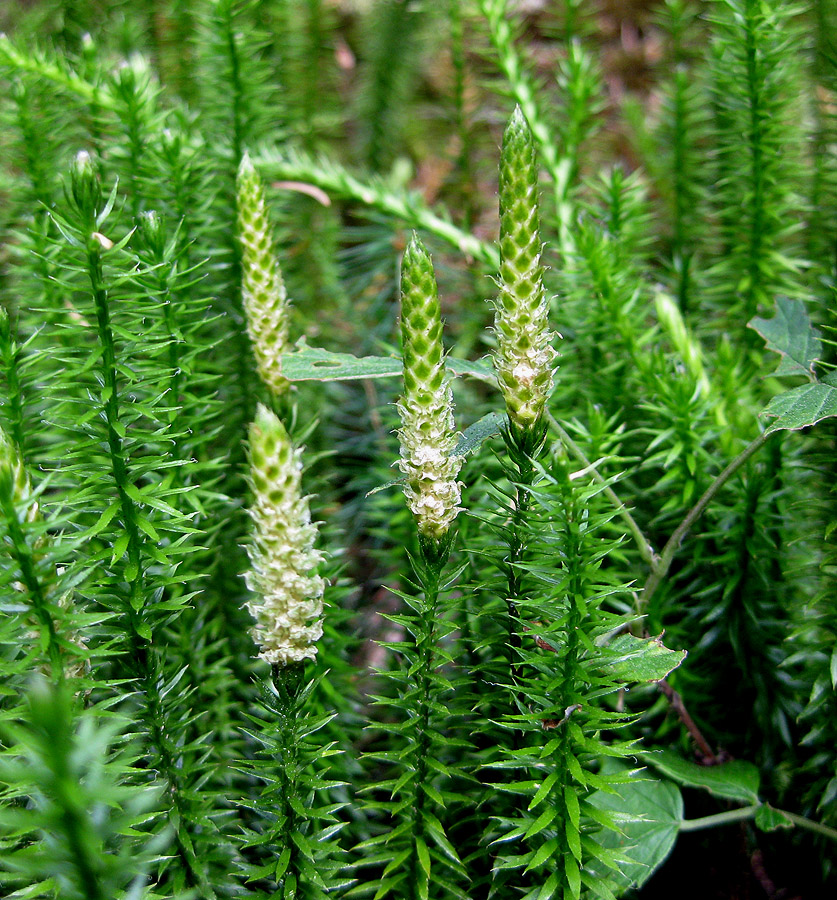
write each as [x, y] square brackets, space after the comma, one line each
[736, 780]
[802, 406]
[791, 334]
[641, 659]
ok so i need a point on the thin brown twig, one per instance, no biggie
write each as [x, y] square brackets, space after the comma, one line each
[709, 756]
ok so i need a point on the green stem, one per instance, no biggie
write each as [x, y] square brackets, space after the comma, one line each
[134, 574]
[523, 479]
[287, 681]
[681, 255]
[82, 842]
[724, 818]
[810, 825]
[457, 51]
[236, 85]
[749, 812]
[660, 570]
[646, 551]
[132, 118]
[570, 670]
[429, 576]
[755, 89]
[244, 362]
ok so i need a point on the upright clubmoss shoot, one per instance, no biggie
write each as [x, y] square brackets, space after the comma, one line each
[288, 602]
[263, 292]
[524, 356]
[428, 435]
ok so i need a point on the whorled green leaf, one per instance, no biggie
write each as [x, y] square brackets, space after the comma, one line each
[648, 812]
[316, 364]
[641, 659]
[736, 780]
[802, 406]
[791, 334]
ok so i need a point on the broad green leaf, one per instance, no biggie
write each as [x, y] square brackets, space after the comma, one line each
[481, 370]
[480, 431]
[802, 406]
[769, 819]
[316, 364]
[791, 334]
[736, 780]
[649, 813]
[641, 659]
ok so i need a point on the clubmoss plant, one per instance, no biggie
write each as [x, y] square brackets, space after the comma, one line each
[294, 838]
[416, 858]
[754, 83]
[130, 505]
[288, 605]
[524, 356]
[428, 435]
